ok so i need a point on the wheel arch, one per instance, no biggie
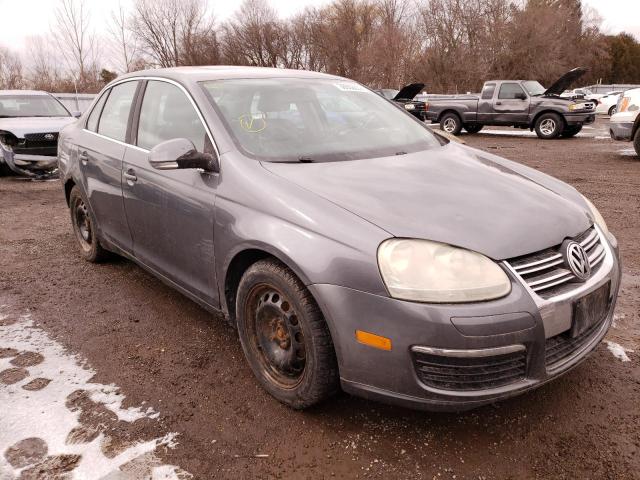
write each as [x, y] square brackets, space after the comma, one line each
[547, 110]
[239, 263]
[68, 186]
[450, 110]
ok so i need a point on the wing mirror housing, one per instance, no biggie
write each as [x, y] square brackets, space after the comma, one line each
[181, 153]
[76, 114]
[521, 96]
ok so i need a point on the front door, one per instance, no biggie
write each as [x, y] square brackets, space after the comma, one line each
[171, 212]
[511, 105]
[101, 150]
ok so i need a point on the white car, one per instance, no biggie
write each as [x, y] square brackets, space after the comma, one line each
[608, 103]
[625, 124]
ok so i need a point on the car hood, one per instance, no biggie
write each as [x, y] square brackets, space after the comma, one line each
[454, 195]
[409, 91]
[565, 81]
[21, 125]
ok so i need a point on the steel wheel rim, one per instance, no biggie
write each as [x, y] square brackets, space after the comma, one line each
[82, 224]
[449, 125]
[548, 126]
[276, 336]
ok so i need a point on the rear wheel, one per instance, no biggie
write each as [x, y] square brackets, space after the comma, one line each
[473, 128]
[636, 142]
[549, 125]
[571, 131]
[5, 170]
[84, 227]
[613, 110]
[451, 123]
[284, 336]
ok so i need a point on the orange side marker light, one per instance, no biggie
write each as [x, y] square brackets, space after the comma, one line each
[373, 340]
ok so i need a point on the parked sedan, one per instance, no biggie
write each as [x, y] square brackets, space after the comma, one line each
[349, 245]
[29, 125]
[608, 103]
[625, 124]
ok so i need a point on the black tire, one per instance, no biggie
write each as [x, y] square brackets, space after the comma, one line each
[613, 110]
[451, 123]
[473, 128]
[284, 336]
[5, 171]
[636, 142]
[549, 126]
[571, 131]
[84, 227]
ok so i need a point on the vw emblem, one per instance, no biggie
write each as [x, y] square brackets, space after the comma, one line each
[577, 260]
[49, 136]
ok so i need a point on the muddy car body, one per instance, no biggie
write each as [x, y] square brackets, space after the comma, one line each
[29, 125]
[518, 103]
[351, 248]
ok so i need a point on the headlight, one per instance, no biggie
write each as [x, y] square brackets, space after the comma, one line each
[597, 218]
[425, 271]
[576, 106]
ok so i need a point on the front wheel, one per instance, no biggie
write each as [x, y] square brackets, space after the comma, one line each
[284, 336]
[84, 227]
[613, 110]
[549, 126]
[571, 131]
[451, 123]
[473, 128]
[636, 142]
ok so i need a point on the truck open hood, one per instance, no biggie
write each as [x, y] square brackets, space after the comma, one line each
[451, 194]
[409, 91]
[21, 125]
[565, 81]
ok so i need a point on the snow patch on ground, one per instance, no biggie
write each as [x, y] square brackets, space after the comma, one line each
[619, 351]
[46, 413]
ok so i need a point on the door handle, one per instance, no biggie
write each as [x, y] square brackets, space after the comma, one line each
[130, 175]
[84, 157]
[498, 103]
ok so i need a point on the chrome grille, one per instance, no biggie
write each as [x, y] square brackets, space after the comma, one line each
[545, 272]
[463, 374]
[589, 105]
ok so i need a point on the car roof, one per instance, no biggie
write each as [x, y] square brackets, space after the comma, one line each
[4, 93]
[221, 72]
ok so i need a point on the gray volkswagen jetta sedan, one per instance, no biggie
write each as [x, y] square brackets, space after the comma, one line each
[350, 246]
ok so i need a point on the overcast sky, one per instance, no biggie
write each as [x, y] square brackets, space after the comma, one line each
[23, 18]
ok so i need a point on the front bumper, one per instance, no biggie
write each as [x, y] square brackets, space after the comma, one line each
[621, 130]
[28, 165]
[579, 118]
[521, 320]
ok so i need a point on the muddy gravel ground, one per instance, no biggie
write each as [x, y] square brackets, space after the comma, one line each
[166, 353]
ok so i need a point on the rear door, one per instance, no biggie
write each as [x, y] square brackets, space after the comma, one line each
[101, 148]
[171, 212]
[511, 105]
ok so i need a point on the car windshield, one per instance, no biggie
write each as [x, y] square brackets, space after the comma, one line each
[533, 88]
[31, 106]
[290, 120]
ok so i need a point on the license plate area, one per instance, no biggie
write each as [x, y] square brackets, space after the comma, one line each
[589, 310]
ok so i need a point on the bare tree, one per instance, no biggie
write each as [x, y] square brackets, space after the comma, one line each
[43, 71]
[123, 40]
[10, 70]
[77, 44]
[170, 29]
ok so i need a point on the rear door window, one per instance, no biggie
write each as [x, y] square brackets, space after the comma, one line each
[115, 114]
[92, 122]
[487, 91]
[166, 113]
[510, 91]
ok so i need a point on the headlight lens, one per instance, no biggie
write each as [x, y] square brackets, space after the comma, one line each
[597, 218]
[575, 106]
[425, 271]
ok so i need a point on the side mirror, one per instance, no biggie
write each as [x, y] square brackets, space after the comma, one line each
[180, 153]
[76, 114]
[521, 96]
